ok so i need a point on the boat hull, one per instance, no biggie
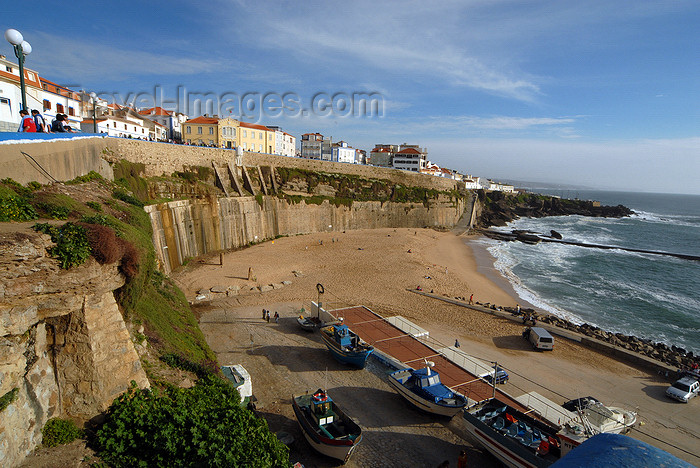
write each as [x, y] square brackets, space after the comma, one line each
[509, 452]
[422, 403]
[338, 449]
[353, 358]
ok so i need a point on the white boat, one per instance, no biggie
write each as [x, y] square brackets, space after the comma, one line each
[325, 426]
[240, 378]
[423, 389]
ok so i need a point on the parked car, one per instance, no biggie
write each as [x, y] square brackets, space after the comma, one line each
[684, 389]
[501, 376]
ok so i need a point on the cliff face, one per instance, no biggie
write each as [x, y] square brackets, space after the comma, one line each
[187, 229]
[498, 208]
[64, 347]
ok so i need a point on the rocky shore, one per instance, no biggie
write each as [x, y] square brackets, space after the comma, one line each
[671, 355]
[499, 208]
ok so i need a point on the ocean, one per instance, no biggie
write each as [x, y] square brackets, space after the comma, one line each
[648, 296]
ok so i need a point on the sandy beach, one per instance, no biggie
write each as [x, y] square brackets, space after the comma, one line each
[375, 268]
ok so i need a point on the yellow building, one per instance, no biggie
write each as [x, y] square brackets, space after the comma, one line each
[211, 131]
[256, 138]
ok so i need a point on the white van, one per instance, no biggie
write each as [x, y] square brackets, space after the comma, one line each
[539, 338]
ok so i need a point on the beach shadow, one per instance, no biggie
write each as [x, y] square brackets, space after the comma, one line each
[516, 342]
[244, 278]
[657, 392]
[300, 358]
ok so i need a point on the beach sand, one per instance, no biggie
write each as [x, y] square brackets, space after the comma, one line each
[374, 268]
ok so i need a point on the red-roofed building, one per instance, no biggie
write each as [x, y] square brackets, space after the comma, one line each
[316, 146]
[211, 131]
[410, 158]
[170, 119]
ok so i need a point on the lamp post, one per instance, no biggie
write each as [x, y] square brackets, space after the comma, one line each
[22, 49]
[94, 112]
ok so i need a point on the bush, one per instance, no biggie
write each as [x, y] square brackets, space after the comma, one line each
[201, 426]
[15, 208]
[94, 205]
[72, 247]
[120, 194]
[58, 431]
[54, 211]
[92, 175]
[107, 248]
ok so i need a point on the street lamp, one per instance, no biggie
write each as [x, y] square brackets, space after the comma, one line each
[94, 112]
[22, 49]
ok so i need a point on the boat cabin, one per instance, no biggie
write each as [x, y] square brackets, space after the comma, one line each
[342, 336]
[322, 408]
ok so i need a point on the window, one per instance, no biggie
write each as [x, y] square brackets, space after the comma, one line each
[124, 126]
[211, 142]
[47, 104]
[260, 148]
[211, 130]
[244, 134]
[30, 75]
[143, 130]
[245, 145]
[189, 130]
[8, 68]
[260, 135]
[199, 130]
[59, 108]
[71, 111]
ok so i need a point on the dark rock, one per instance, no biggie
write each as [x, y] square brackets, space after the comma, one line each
[555, 234]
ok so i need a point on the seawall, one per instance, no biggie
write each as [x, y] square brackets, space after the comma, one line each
[190, 228]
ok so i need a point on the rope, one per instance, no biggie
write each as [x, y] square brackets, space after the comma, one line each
[41, 168]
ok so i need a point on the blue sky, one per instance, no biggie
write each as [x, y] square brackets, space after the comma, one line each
[597, 93]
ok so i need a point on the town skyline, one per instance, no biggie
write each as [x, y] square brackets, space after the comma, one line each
[595, 94]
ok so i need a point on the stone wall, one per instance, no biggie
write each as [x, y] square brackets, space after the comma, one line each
[165, 158]
[187, 229]
[64, 346]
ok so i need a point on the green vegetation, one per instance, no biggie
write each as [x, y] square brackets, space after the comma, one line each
[14, 207]
[95, 206]
[128, 175]
[194, 173]
[72, 247]
[8, 398]
[201, 426]
[58, 431]
[90, 176]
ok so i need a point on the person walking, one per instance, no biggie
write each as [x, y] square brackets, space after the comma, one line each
[27, 125]
[277, 317]
[456, 343]
[471, 299]
[264, 314]
[268, 316]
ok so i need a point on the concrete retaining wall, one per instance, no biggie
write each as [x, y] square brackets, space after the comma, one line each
[190, 228]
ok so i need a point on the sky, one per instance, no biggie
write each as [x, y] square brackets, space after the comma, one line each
[602, 94]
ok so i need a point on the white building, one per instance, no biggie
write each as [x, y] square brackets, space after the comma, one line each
[285, 144]
[171, 120]
[498, 187]
[472, 183]
[57, 99]
[124, 127]
[410, 159]
[11, 95]
[311, 144]
[341, 152]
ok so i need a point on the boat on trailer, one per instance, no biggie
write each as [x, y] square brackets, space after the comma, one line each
[423, 389]
[346, 346]
[325, 426]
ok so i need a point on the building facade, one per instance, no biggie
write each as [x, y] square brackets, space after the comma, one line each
[341, 152]
[170, 119]
[257, 138]
[410, 158]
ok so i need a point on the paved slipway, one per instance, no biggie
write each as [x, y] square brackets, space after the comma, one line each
[375, 268]
[284, 360]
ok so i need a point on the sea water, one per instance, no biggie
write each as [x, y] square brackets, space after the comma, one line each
[648, 296]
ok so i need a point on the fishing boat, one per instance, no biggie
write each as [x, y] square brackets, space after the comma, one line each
[325, 426]
[309, 323]
[423, 389]
[346, 346]
[518, 440]
[241, 380]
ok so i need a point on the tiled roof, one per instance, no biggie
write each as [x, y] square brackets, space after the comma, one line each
[204, 120]
[155, 111]
[255, 126]
[409, 151]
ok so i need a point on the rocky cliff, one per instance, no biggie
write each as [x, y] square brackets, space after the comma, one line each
[498, 208]
[64, 347]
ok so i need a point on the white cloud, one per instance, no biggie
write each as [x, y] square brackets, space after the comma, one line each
[90, 59]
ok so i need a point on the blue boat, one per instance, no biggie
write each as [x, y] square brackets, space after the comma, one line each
[423, 389]
[345, 346]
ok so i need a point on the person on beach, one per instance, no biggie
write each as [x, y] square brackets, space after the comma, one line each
[456, 343]
[277, 317]
[471, 299]
[264, 313]
[268, 316]
[517, 309]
